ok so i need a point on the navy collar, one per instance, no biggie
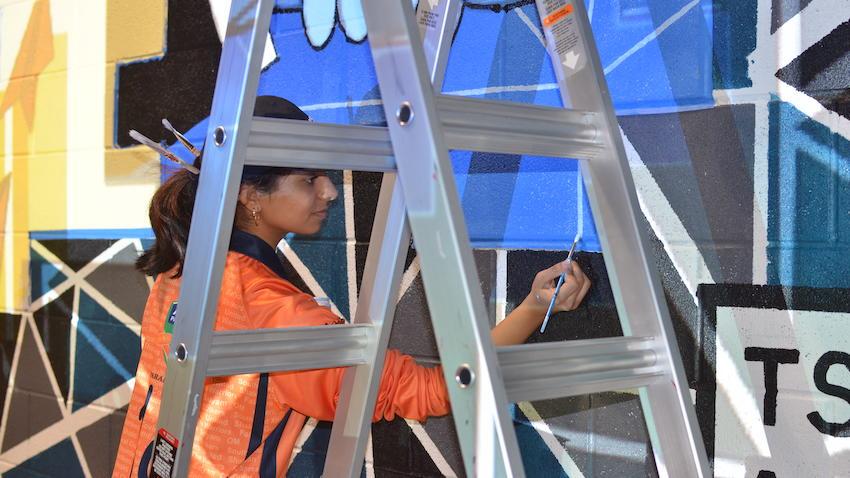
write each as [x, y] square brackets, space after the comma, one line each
[256, 248]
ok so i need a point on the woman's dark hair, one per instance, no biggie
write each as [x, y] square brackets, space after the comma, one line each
[172, 204]
[171, 215]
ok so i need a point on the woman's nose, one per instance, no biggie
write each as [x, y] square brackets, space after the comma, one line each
[328, 190]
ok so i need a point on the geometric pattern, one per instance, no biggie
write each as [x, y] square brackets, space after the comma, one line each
[75, 358]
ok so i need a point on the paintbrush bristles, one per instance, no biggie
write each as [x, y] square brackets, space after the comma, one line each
[185, 141]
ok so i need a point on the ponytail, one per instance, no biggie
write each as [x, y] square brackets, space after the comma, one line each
[170, 215]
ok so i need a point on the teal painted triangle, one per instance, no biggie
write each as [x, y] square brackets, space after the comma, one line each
[58, 460]
[44, 276]
[107, 352]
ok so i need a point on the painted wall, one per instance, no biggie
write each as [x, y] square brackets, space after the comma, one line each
[736, 119]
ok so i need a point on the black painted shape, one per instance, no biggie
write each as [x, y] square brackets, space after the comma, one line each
[179, 86]
[10, 324]
[683, 312]
[823, 71]
[702, 161]
[784, 10]
[76, 253]
[596, 317]
[771, 358]
[712, 296]
[397, 450]
[54, 325]
[821, 368]
[766, 474]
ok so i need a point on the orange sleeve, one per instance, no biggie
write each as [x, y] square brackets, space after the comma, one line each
[407, 389]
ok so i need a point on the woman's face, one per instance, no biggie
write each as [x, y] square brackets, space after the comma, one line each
[298, 204]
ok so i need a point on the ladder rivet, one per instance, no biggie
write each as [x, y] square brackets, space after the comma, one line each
[181, 353]
[464, 376]
[404, 115]
[219, 136]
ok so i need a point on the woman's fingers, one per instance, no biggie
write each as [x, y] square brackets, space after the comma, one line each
[574, 289]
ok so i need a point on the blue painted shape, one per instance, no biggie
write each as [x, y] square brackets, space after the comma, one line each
[44, 276]
[734, 39]
[107, 352]
[69, 234]
[808, 197]
[537, 459]
[58, 460]
[495, 55]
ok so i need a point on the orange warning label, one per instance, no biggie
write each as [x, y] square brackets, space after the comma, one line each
[557, 15]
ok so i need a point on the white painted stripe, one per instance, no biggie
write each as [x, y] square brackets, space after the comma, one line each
[10, 385]
[760, 190]
[41, 441]
[305, 274]
[84, 462]
[677, 242]
[369, 462]
[351, 241]
[408, 277]
[579, 204]
[431, 448]
[501, 284]
[305, 433]
[536, 421]
[531, 26]
[72, 355]
[652, 36]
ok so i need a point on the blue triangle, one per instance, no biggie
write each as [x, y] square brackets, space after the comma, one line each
[43, 275]
[107, 353]
[58, 460]
[537, 459]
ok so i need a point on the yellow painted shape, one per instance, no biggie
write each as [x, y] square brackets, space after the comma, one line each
[134, 29]
[50, 125]
[47, 192]
[109, 108]
[136, 165]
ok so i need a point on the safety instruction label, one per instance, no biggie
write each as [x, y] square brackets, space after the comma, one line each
[164, 452]
[563, 35]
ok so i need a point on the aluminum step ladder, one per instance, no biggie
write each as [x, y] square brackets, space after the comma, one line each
[422, 127]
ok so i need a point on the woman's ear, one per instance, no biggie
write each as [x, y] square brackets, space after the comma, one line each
[248, 197]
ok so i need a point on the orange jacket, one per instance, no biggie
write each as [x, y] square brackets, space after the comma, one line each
[248, 424]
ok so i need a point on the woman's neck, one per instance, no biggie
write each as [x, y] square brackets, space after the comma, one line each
[268, 235]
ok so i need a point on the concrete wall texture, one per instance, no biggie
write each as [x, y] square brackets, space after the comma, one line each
[736, 120]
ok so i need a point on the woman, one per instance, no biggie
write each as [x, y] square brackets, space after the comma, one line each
[248, 424]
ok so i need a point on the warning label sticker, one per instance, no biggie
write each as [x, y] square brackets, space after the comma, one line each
[562, 34]
[164, 452]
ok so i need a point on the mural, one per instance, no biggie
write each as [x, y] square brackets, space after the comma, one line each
[736, 122]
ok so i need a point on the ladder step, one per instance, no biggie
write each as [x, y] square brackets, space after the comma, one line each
[235, 352]
[471, 124]
[309, 145]
[578, 367]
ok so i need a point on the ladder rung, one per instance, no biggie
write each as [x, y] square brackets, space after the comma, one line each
[578, 367]
[309, 145]
[507, 127]
[236, 352]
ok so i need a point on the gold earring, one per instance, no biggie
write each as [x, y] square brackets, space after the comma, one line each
[256, 218]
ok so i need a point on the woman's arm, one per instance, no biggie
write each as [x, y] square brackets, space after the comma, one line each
[529, 314]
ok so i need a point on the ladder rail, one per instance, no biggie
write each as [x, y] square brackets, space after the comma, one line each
[676, 437]
[376, 306]
[459, 316]
[232, 110]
